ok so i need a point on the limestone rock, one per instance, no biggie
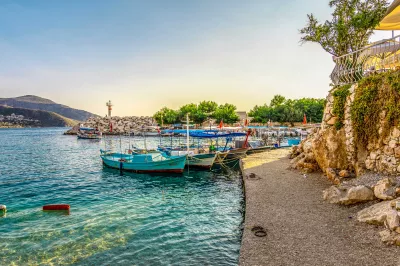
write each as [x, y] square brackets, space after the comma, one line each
[332, 121]
[390, 238]
[348, 196]
[385, 189]
[375, 214]
[331, 174]
[392, 220]
[397, 152]
[358, 194]
[396, 132]
[344, 174]
[329, 147]
[334, 194]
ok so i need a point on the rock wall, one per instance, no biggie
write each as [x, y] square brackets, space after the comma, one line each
[335, 150]
[120, 125]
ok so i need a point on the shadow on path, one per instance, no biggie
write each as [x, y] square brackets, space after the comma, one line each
[301, 228]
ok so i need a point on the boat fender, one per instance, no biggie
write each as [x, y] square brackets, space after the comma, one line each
[3, 208]
[56, 207]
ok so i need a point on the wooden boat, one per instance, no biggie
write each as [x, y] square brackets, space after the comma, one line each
[194, 158]
[89, 133]
[205, 160]
[257, 146]
[144, 163]
[237, 153]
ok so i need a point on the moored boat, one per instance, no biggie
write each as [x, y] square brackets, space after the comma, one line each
[144, 163]
[89, 133]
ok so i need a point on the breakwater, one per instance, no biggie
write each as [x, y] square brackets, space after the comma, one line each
[116, 125]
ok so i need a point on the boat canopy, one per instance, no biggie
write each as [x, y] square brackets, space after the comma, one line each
[86, 128]
[209, 134]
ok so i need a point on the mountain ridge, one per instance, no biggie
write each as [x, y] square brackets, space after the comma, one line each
[32, 117]
[38, 103]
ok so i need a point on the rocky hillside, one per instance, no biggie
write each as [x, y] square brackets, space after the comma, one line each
[38, 103]
[21, 117]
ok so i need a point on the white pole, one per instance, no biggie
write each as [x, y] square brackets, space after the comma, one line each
[187, 133]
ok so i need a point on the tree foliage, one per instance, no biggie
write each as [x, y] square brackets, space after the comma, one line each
[198, 113]
[289, 110]
[166, 116]
[351, 26]
[226, 113]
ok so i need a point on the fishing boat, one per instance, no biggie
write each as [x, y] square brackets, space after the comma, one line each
[195, 158]
[89, 133]
[144, 163]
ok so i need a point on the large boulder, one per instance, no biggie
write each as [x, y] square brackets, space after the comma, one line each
[348, 195]
[375, 214]
[385, 189]
[329, 148]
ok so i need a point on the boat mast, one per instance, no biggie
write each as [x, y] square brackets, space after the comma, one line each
[187, 132]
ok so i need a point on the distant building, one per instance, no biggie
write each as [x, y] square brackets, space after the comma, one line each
[242, 116]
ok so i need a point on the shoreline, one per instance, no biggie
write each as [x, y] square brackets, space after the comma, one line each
[300, 228]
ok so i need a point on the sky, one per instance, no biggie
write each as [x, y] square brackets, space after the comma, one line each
[144, 55]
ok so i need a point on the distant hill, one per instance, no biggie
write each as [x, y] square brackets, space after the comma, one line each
[38, 103]
[35, 118]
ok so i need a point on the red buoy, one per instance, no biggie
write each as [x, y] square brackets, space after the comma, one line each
[56, 207]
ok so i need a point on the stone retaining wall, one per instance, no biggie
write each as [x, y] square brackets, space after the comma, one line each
[337, 149]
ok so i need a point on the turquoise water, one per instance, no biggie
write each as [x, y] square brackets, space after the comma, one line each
[133, 219]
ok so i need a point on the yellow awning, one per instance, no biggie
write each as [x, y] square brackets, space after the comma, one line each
[391, 21]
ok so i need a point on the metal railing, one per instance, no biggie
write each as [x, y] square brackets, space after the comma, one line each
[375, 58]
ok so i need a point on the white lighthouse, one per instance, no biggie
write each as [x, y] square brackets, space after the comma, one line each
[109, 105]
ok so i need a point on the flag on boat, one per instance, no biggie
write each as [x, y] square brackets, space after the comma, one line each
[221, 124]
[304, 119]
[158, 130]
[246, 122]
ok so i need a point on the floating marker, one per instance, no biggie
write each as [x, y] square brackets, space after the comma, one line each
[56, 207]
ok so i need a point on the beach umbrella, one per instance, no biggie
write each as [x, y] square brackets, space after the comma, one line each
[221, 124]
[391, 21]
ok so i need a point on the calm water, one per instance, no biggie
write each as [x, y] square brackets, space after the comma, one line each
[189, 219]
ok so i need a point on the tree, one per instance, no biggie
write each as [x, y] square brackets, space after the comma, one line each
[208, 107]
[261, 114]
[277, 100]
[351, 26]
[227, 113]
[289, 110]
[166, 116]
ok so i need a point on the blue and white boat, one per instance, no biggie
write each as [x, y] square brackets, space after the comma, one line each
[144, 163]
[89, 133]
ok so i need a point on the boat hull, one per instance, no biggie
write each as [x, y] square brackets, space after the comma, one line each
[201, 160]
[128, 163]
[88, 137]
[259, 149]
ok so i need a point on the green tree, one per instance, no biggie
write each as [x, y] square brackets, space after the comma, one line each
[277, 100]
[227, 113]
[166, 116]
[208, 107]
[261, 114]
[289, 110]
[351, 26]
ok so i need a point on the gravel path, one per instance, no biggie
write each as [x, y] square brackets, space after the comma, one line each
[301, 228]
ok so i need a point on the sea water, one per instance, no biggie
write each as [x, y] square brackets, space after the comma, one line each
[129, 219]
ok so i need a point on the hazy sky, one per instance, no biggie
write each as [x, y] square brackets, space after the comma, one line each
[143, 55]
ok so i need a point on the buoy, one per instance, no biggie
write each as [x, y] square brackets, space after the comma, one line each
[3, 208]
[56, 207]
